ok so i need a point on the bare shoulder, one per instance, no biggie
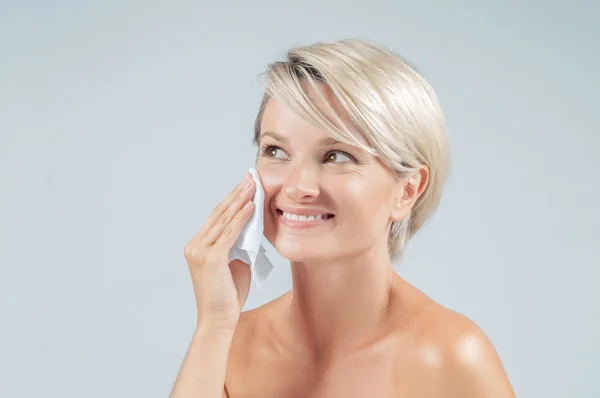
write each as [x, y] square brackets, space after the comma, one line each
[465, 364]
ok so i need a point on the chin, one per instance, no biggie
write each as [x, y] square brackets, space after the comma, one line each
[296, 251]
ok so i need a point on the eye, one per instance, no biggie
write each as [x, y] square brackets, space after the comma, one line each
[338, 157]
[272, 151]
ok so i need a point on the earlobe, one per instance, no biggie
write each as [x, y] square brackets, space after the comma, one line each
[400, 211]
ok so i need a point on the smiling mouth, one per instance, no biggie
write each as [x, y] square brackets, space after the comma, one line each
[297, 219]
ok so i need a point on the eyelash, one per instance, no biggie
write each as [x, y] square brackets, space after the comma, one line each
[266, 149]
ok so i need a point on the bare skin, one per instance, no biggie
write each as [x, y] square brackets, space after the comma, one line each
[350, 326]
[425, 351]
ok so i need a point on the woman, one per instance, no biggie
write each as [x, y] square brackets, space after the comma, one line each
[353, 136]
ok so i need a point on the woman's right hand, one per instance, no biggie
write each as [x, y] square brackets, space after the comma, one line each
[221, 288]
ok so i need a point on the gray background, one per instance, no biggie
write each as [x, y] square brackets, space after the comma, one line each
[123, 123]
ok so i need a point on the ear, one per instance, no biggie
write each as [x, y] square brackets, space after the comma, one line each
[409, 190]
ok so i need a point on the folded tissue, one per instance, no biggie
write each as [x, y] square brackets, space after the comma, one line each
[248, 247]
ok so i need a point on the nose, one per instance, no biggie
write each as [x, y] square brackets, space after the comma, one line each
[302, 184]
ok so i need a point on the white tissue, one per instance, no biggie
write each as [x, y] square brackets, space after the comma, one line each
[248, 247]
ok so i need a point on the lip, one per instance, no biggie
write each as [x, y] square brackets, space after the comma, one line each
[302, 212]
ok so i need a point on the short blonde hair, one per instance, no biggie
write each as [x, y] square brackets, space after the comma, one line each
[388, 102]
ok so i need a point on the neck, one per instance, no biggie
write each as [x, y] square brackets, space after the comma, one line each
[342, 305]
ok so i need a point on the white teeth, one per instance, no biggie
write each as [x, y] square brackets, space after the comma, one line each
[296, 217]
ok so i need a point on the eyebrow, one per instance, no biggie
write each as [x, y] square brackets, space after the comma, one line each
[285, 140]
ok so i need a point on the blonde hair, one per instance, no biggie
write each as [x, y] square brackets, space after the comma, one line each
[388, 102]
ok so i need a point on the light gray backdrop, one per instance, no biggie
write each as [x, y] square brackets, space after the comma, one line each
[123, 123]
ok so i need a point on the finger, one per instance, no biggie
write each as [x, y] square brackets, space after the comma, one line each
[233, 229]
[223, 221]
[222, 207]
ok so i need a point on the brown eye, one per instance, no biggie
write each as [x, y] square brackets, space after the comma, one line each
[273, 152]
[338, 157]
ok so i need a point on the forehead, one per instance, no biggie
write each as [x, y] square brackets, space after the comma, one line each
[284, 120]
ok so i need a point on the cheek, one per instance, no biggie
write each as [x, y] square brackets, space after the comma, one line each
[369, 201]
[271, 182]
[270, 178]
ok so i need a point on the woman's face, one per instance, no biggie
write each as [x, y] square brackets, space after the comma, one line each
[306, 173]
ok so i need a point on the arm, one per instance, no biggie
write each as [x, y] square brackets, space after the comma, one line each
[203, 370]
[221, 288]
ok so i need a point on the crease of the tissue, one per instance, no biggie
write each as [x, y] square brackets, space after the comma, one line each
[248, 247]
